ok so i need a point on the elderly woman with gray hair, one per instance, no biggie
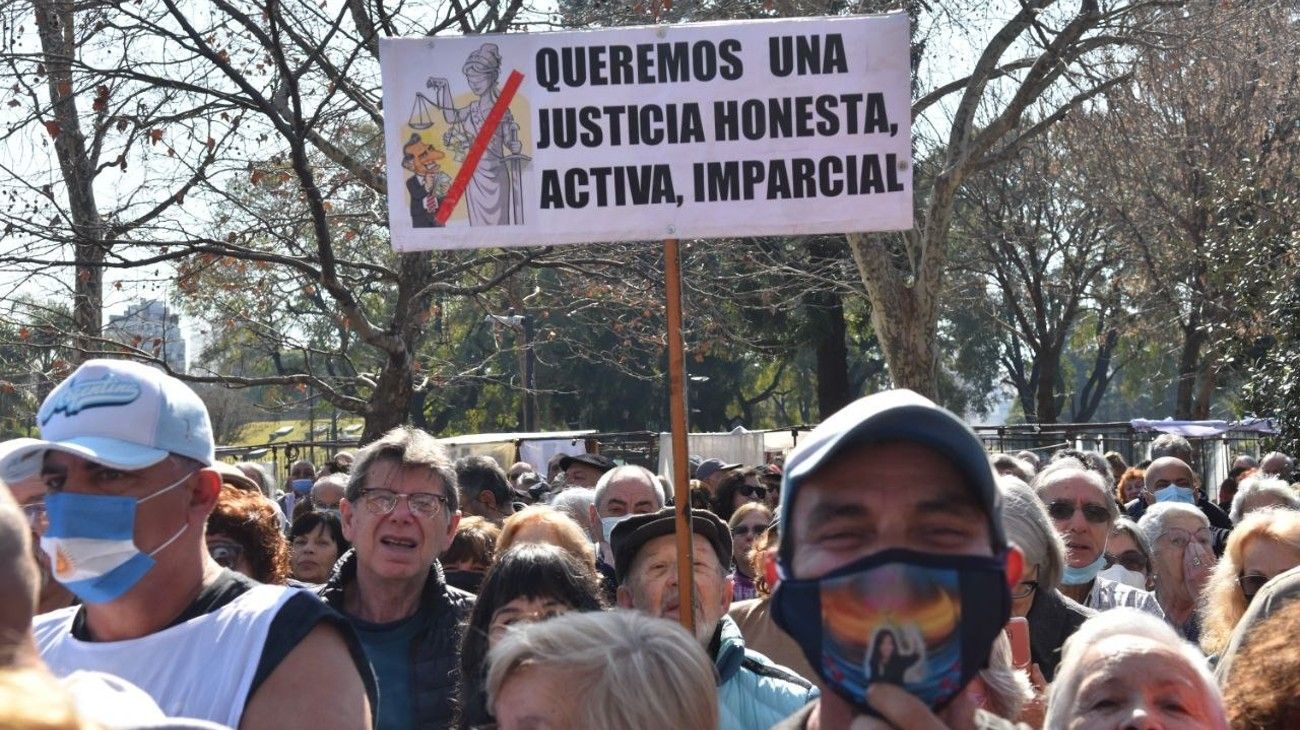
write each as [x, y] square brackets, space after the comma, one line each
[1052, 617]
[1260, 492]
[1182, 556]
[591, 671]
[1083, 512]
[1127, 669]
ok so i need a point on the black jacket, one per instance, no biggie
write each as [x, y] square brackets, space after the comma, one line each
[435, 657]
[1052, 619]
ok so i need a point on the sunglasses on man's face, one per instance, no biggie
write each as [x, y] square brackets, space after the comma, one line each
[1061, 510]
[752, 491]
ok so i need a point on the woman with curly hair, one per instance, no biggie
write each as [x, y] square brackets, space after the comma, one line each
[244, 535]
[1265, 544]
[1129, 484]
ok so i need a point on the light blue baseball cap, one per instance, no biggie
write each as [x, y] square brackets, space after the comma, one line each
[118, 413]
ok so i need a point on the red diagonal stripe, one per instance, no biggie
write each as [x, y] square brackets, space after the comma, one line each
[476, 150]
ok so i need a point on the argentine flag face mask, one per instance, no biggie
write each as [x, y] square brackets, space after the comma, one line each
[91, 543]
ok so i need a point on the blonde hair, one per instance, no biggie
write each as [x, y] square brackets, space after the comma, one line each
[601, 655]
[31, 699]
[746, 510]
[564, 531]
[1222, 603]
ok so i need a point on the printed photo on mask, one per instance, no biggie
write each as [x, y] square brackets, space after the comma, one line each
[896, 624]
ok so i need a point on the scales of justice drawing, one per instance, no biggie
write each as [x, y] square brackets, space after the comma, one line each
[483, 137]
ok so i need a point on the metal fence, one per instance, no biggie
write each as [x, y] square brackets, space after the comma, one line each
[1212, 455]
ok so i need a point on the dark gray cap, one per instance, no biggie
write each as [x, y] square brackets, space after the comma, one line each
[893, 415]
[634, 532]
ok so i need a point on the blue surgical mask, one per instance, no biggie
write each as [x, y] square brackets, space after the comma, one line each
[91, 543]
[1082, 576]
[1175, 493]
[301, 486]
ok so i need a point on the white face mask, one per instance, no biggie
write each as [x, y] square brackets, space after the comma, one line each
[1120, 574]
[607, 526]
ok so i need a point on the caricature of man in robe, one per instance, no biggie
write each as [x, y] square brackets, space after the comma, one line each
[427, 185]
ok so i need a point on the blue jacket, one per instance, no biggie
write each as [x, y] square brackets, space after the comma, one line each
[753, 693]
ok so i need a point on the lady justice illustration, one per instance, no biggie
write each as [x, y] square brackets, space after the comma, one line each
[494, 194]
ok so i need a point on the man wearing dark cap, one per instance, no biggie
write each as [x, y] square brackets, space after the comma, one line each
[895, 572]
[584, 470]
[753, 692]
[711, 472]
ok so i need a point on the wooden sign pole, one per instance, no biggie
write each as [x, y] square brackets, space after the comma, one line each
[681, 466]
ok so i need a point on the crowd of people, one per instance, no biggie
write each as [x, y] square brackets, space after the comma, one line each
[888, 572]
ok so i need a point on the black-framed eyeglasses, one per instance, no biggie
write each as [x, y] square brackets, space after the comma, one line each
[749, 490]
[384, 501]
[1131, 559]
[1024, 589]
[226, 554]
[747, 530]
[1250, 585]
[1061, 510]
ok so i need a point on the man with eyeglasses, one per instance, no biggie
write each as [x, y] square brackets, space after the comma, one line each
[1083, 512]
[400, 513]
[126, 456]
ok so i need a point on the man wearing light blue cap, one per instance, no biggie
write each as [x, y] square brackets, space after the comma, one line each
[125, 455]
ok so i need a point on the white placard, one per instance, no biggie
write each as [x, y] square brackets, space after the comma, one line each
[781, 127]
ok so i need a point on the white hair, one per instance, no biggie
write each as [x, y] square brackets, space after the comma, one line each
[576, 502]
[260, 474]
[1070, 468]
[1157, 515]
[337, 479]
[1121, 622]
[629, 472]
[1273, 487]
[1027, 525]
[1009, 689]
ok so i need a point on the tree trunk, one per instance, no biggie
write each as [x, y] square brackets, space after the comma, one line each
[54, 22]
[1205, 389]
[903, 313]
[390, 402]
[833, 390]
[1047, 402]
[1188, 366]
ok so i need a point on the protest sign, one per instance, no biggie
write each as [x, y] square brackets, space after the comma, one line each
[781, 127]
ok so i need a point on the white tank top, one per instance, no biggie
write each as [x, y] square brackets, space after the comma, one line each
[202, 668]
